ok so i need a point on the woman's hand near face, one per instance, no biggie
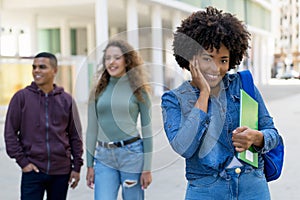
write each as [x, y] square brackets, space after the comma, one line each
[200, 82]
[198, 79]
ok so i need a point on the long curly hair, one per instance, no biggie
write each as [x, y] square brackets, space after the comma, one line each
[208, 29]
[135, 71]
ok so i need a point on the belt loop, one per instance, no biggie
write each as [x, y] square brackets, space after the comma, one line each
[223, 174]
[110, 145]
[122, 143]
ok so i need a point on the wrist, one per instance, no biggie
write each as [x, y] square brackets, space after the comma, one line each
[204, 94]
[258, 139]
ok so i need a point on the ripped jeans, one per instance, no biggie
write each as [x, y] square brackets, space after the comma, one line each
[117, 167]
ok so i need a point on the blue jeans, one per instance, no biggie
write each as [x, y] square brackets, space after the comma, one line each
[34, 185]
[119, 167]
[249, 184]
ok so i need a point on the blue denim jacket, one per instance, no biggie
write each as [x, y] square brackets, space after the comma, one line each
[186, 126]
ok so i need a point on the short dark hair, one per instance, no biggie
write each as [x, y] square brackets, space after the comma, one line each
[52, 57]
[208, 29]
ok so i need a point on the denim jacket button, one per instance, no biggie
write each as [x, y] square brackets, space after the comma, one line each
[238, 170]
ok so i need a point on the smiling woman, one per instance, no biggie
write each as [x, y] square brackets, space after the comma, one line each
[201, 116]
[115, 61]
[117, 153]
[213, 65]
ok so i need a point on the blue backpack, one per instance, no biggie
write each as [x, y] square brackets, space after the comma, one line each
[273, 160]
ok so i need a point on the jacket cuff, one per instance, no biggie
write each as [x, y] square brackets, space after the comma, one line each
[77, 165]
[23, 162]
[76, 169]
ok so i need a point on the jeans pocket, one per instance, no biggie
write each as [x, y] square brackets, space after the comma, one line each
[29, 172]
[258, 173]
[101, 153]
[206, 181]
[135, 147]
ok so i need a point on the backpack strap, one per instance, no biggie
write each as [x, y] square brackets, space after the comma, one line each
[273, 160]
[247, 82]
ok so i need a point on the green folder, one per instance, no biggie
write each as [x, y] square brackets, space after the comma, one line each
[249, 118]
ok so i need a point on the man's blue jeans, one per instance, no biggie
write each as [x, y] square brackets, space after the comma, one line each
[119, 167]
[34, 185]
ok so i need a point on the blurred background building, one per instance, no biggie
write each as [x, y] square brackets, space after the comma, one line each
[287, 42]
[76, 31]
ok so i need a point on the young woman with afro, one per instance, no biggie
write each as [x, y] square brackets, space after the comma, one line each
[201, 116]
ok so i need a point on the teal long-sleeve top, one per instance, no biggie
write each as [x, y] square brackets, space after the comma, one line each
[114, 116]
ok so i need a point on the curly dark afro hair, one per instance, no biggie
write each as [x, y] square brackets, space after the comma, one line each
[205, 30]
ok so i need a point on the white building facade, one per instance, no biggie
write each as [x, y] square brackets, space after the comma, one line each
[77, 31]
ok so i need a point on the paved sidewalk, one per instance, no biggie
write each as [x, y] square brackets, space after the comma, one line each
[169, 183]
